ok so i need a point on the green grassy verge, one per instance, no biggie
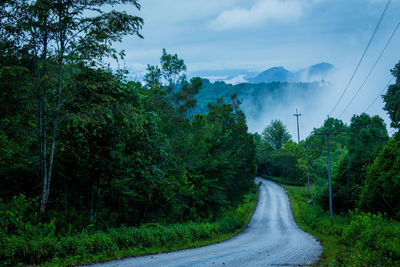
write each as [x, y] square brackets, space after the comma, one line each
[300, 209]
[89, 247]
[285, 181]
[355, 240]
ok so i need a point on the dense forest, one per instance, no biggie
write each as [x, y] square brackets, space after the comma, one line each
[94, 166]
[365, 165]
[83, 149]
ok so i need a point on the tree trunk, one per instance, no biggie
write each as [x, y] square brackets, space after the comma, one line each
[48, 170]
[43, 122]
[43, 150]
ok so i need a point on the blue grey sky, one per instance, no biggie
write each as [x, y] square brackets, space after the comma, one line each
[254, 35]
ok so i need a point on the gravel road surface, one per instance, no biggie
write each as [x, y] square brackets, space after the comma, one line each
[272, 238]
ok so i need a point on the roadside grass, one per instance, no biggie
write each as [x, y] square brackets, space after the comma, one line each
[117, 243]
[300, 208]
[284, 181]
[136, 252]
[358, 239]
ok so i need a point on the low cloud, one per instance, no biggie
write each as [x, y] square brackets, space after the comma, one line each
[261, 12]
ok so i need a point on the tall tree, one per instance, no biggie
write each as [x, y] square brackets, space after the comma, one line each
[392, 99]
[380, 192]
[55, 33]
[367, 135]
[276, 134]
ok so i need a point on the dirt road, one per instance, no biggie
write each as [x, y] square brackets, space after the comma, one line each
[271, 239]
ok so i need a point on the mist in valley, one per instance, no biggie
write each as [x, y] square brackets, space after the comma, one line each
[316, 103]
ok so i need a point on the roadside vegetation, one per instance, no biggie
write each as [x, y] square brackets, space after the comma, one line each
[41, 244]
[365, 164]
[355, 239]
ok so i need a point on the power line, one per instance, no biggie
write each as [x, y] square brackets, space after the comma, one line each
[370, 72]
[363, 55]
[380, 94]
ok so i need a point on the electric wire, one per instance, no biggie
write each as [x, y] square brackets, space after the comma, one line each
[380, 94]
[363, 55]
[370, 72]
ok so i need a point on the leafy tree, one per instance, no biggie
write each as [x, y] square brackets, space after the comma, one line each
[287, 162]
[172, 68]
[118, 148]
[366, 137]
[277, 155]
[18, 139]
[126, 153]
[381, 190]
[153, 77]
[392, 99]
[52, 33]
[276, 134]
[262, 151]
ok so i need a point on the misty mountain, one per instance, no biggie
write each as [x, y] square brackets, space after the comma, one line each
[275, 74]
[262, 102]
[316, 72]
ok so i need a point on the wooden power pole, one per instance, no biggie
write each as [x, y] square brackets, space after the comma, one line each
[328, 134]
[308, 166]
[298, 131]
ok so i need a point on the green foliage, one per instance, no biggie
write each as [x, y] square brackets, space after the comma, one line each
[373, 240]
[91, 245]
[126, 155]
[392, 99]
[278, 156]
[351, 152]
[367, 135]
[172, 67]
[359, 239]
[284, 181]
[276, 134]
[13, 214]
[255, 96]
[380, 193]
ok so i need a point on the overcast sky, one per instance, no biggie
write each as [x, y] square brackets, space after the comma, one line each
[258, 34]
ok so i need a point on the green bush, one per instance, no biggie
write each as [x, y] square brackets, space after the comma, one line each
[229, 224]
[15, 212]
[374, 240]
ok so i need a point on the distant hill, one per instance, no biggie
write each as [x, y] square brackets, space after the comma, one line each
[255, 97]
[275, 74]
[316, 72]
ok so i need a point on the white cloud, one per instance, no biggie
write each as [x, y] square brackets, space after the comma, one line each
[227, 79]
[236, 80]
[215, 78]
[261, 12]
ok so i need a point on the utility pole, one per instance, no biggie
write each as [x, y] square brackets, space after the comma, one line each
[298, 131]
[328, 134]
[308, 166]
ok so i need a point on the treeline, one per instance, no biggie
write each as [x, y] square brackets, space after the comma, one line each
[81, 146]
[364, 159]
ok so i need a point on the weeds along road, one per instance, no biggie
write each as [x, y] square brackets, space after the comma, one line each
[272, 238]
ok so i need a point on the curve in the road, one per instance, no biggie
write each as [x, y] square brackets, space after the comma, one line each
[272, 238]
